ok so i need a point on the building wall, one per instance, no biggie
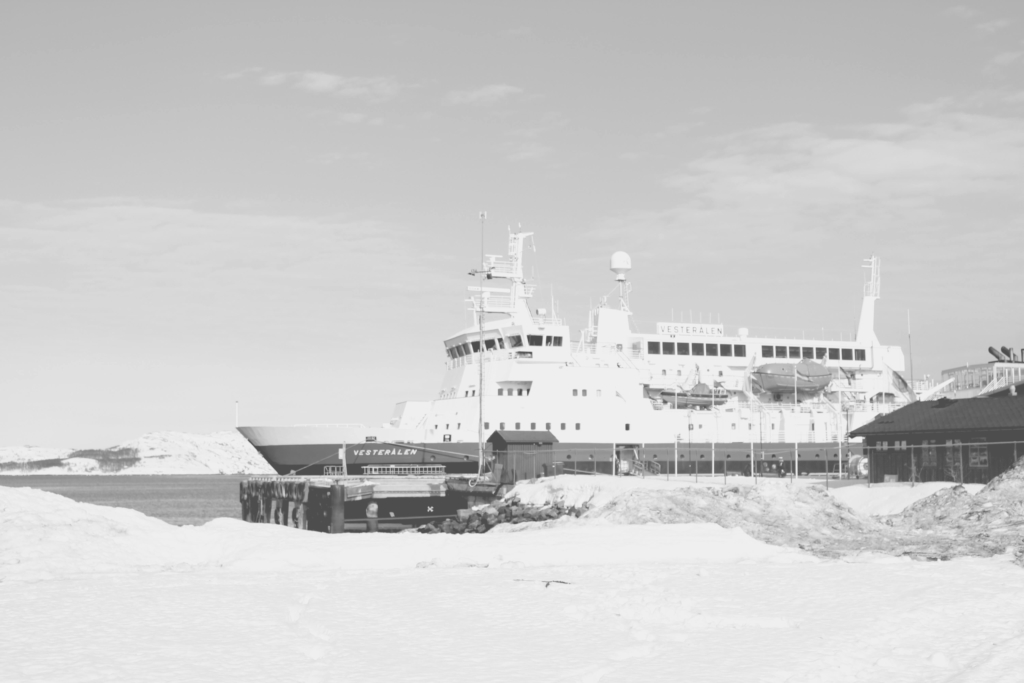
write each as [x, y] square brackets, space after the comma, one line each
[969, 457]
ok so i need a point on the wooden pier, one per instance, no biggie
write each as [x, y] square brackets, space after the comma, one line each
[379, 502]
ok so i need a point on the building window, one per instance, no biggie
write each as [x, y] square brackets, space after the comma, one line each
[860, 354]
[501, 392]
[653, 348]
[501, 426]
[664, 372]
[739, 350]
[847, 354]
[780, 352]
[562, 426]
[833, 354]
[577, 426]
[487, 425]
[547, 426]
[517, 425]
[627, 426]
[683, 348]
[726, 349]
[668, 348]
[520, 392]
[575, 392]
[534, 339]
[929, 457]
[977, 453]
[767, 352]
[712, 349]
[584, 392]
[698, 349]
[533, 426]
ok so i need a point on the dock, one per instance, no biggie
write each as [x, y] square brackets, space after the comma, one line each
[386, 500]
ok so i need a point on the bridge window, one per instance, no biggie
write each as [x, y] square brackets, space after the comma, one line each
[712, 349]
[465, 349]
[521, 392]
[514, 341]
[768, 352]
[860, 354]
[653, 348]
[557, 341]
[808, 352]
[847, 354]
[501, 343]
[833, 354]
[794, 351]
[780, 352]
[501, 392]
[698, 349]
[726, 349]
[739, 350]
[668, 348]
[534, 339]
[683, 348]
[820, 352]
[489, 344]
[476, 346]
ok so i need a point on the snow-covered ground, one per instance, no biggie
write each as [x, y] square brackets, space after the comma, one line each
[891, 499]
[91, 593]
[154, 453]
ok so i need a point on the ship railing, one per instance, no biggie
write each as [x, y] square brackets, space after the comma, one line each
[546, 320]
[402, 470]
[333, 424]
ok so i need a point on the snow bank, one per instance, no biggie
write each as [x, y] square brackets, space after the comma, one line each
[890, 499]
[44, 535]
[154, 453]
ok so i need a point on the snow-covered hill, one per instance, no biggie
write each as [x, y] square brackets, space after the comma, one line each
[153, 453]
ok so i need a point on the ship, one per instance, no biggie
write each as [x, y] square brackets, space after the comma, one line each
[682, 397]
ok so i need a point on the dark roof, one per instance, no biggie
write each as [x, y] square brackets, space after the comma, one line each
[517, 436]
[948, 415]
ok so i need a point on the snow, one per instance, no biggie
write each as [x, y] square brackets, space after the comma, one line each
[154, 453]
[891, 499]
[92, 593]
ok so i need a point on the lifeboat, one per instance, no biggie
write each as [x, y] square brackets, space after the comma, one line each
[805, 377]
[700, 396]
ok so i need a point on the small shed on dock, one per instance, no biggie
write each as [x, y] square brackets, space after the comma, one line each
[524, 454]
[970, 440]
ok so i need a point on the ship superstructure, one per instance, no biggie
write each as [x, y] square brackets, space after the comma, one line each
[612, 385]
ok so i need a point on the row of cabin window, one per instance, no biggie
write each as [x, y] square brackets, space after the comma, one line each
[696, 349]
[813, 353]
[498, 343]
[513, 392]
[533, 426]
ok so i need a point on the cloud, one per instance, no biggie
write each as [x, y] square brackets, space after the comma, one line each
[1003, 60]
[489, 94]
[367, 88]
[960, 12]
[992, 26]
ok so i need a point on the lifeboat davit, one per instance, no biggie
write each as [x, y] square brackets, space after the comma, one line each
[805, 377]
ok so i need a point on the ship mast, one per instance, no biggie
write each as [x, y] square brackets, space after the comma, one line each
[480, 327]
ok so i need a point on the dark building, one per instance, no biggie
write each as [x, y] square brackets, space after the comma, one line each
[969, 440]
[523, 455]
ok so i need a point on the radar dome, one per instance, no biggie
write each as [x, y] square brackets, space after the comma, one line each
[621, 265]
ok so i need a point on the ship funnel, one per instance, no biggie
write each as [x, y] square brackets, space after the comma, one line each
[1007, 352]
[620, 265]
[998, 354]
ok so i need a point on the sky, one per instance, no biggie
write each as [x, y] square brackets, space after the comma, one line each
[277, 203]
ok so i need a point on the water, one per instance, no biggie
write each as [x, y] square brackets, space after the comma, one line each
[177, 499]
